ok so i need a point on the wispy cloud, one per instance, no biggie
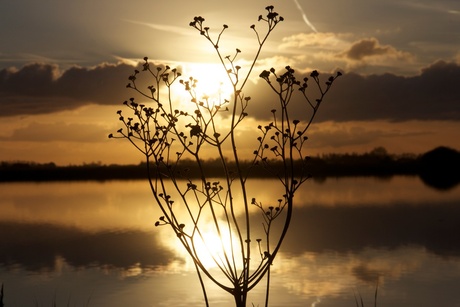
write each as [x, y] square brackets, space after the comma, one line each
[304, 17]
[161, 27]
[325, 40]
[432, 6]
[19, 59]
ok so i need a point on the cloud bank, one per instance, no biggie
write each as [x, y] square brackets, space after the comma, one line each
[43, 88]
[431, 95]
[434, 94]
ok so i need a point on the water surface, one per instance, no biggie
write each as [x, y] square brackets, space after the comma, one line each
[95, 244]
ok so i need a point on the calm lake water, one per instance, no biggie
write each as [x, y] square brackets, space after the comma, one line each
[95, 244]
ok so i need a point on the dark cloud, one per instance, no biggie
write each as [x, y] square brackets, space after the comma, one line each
[370, 47]
[41, 88]
[434, 94]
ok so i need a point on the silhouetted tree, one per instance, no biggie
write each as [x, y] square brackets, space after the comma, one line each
[440, 168]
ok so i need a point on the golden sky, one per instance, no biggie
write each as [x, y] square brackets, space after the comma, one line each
[64, 66]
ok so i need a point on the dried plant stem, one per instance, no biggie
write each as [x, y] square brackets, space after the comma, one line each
[193, 205]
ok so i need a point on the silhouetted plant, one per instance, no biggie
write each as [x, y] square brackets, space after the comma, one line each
[192, 207]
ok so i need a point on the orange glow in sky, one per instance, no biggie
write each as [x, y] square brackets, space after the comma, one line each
[63, 75]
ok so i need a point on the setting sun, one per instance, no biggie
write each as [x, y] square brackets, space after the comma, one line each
[212, 81]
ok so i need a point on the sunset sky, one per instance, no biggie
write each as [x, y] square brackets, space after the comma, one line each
[64, 67]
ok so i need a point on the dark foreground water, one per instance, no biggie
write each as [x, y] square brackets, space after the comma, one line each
[95, 244]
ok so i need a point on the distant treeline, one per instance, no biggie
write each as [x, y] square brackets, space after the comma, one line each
[439, 167]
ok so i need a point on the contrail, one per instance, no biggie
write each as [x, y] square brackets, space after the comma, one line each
[309, 24]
